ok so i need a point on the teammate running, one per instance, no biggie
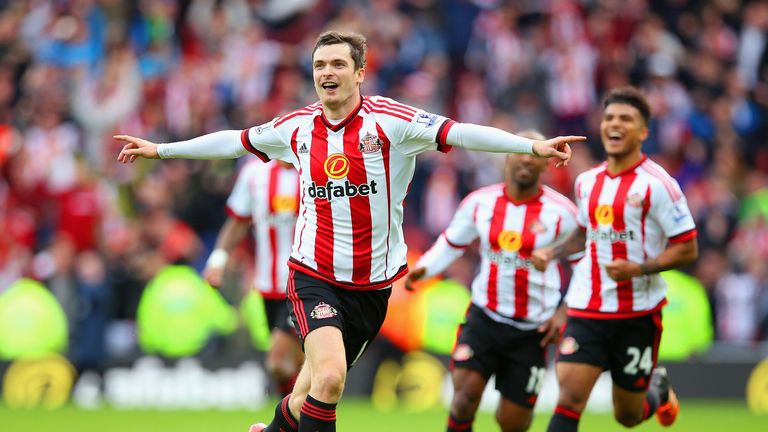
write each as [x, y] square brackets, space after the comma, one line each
[635, 223]
[515, 310]
[267, 197]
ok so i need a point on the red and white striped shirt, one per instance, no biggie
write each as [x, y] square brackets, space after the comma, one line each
[508, 288]
[631, 215]
[354, 177]
[268, 195]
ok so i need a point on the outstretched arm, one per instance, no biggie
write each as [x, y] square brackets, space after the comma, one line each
[218, 145]
[484, 138]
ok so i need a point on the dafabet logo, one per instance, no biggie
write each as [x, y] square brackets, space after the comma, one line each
[605, 217]
[604, 214]
[336, 166]
[510, 240]
[285, 204]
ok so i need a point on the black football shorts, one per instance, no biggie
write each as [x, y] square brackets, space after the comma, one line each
[315, 303]
[278, 316]
[627, 347]
[494, 348]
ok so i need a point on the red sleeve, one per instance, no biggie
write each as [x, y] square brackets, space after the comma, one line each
[248, 146]
[454, 245]
[442, 135]
[231, 213]
[684, 237]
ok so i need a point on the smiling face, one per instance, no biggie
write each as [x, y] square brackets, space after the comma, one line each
[337, 81]
[623, 130]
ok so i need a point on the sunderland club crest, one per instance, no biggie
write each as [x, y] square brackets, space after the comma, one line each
[463, 352]
[537, 227]
[568, 346]
[635, 200]
[369, 143]
[323, 310]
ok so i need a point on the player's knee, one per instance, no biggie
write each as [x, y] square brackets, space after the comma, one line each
[571, 399]
[329, 381]
[465, 402]
[627, 418]
[513, 423]
[282, 369]
[281, 376]
[271, 367]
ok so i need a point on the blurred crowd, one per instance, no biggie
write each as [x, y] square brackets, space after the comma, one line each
[75, 72]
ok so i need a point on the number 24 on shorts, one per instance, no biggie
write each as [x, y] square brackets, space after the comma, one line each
[639, 361]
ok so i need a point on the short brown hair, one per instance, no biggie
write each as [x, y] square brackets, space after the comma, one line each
[631, 96]
[357, 45]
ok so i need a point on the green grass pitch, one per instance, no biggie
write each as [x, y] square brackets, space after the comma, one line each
[354, 415]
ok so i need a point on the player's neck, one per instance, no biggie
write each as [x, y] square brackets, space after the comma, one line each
[343, 110]
[517, 193]
[620, 163]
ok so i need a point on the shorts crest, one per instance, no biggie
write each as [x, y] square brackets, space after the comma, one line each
[323, 310]
[569, 346]
[463, 352]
